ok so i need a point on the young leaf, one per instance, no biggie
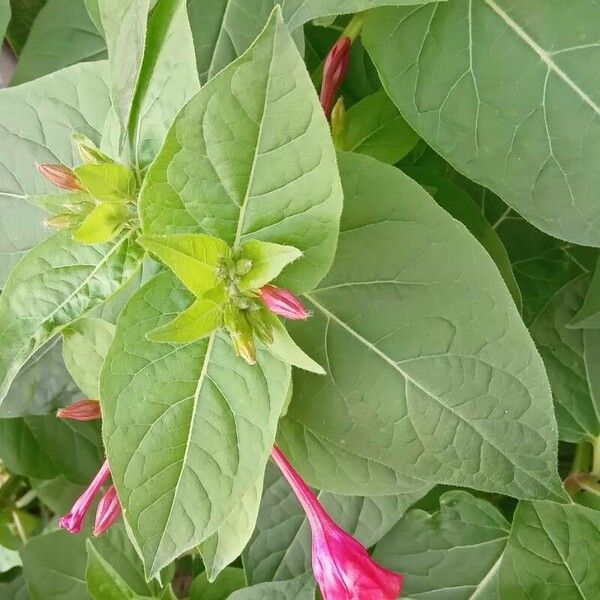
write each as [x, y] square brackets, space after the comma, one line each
[230, 580]
[275, 179]
[268, 260]
[107, 182]
[57, 204]
[588, 316]
[192, 257]
[512, 106]
[455, 552]
[103, 224]
[58, 281]
[460, 397]
[199, 433]
[300, 588]
[551, 553]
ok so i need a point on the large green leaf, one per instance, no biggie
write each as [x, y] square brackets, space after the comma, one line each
[432, 374]
[588, 316]
[187, 428]
[552, 553]
[24, 13]
[454, 554]
[300, 588]
[54, 284]
[63, 35]
[36, 122]
[566, 352]
[511, 103]
[229, 581]
[251, 157]
[280, 548]
[4, 17]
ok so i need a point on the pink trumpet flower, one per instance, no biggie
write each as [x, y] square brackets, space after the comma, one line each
[60, 176]
[283, 302]
[341, 565]
[73, 521]
[334, 71]
[84, 410]
[109, 510]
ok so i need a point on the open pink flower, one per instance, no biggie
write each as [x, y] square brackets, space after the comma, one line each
[84, 410]
[109, 510]
[334, 71]
[283, 302]
[341, 565]
[73, 521]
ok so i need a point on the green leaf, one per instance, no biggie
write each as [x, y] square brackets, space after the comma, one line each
[565, 352]
[376, 128]
[103, 582]
[103, 224]
[4, 17]
[63, 35]
[37, 118]
[280, 548]
[107, 182]
[268, 260]
[231, 189]
[300, 588]
[551, 553]
[461, 206]
[57, 204]
[57, 282]
[14, 589]
[453, 553]
[200, 432]
[192, 257]
[460, 394]
[588, 316]
[58, 494]
[24, 13]
[230, 580]
[86, 342]
[511, 106]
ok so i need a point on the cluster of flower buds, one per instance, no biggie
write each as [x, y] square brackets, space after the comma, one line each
[109, 507]
[341, 565]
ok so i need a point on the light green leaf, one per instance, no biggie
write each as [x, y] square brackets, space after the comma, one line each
[512, 105]
[4, 17]
[454, 553]
[57, 204]
[107, 182]
[86, 342]
[192, 257]
[252, 185]
[459, 395]
[280, 548]
[94, 13]
[103, 224]
[63, 35]
[57, 282]
[564, 352]
[268, 260]
[300, 588]
[551, 553]
[285, 348]
[198, 321]
[376, 128]
[200, 432]
[37, 119]
[103, 582]
[588, 316]
[230, 580]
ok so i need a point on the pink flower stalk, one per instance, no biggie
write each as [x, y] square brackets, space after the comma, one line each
[341, 565]
[84, 410]
[334, 71]
[60, 176]
[283, 302]
[73, 521]
[109, 510]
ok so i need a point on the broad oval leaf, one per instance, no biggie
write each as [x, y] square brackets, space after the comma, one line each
[511, 102]
[187, 428]
[250, 157]
[54, 284]
[432, 374]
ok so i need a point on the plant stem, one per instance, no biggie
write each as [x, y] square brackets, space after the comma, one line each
[590, 486]
[19, 526]
[582, 459]
[596, 458]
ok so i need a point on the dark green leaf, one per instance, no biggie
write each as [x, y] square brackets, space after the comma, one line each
[24, 13]
[588, 316]
[230, 580]
[4, 17]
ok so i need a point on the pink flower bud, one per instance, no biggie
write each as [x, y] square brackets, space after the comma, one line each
[109, 510]
[283, 302]
[341, 565]
[334, 71]
[84, 410]
[73, 521]
[60, 176]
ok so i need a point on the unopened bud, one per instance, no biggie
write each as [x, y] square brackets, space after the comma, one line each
[338, 124]
[334, 71]
[109, 510]
[84, 410]
[261, 327]
[89, 152]
[243, 266]
[283, 302]
[65, 221]
[240, 331]
[60, 176]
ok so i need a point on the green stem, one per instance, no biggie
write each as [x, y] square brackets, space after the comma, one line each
[592, 487]
[596, 458]
[582, 459]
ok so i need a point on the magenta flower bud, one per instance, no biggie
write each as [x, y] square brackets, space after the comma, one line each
[334, 71]
[341, 565]
[73, 521]
[60, 176]
[282, 302]
[109, 510]
[84, 410]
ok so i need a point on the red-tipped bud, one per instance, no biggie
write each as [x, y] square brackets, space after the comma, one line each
[334, 71]
[60, 176]
[283, 302]
[109, 510]
[73, 520]
[84, 410]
